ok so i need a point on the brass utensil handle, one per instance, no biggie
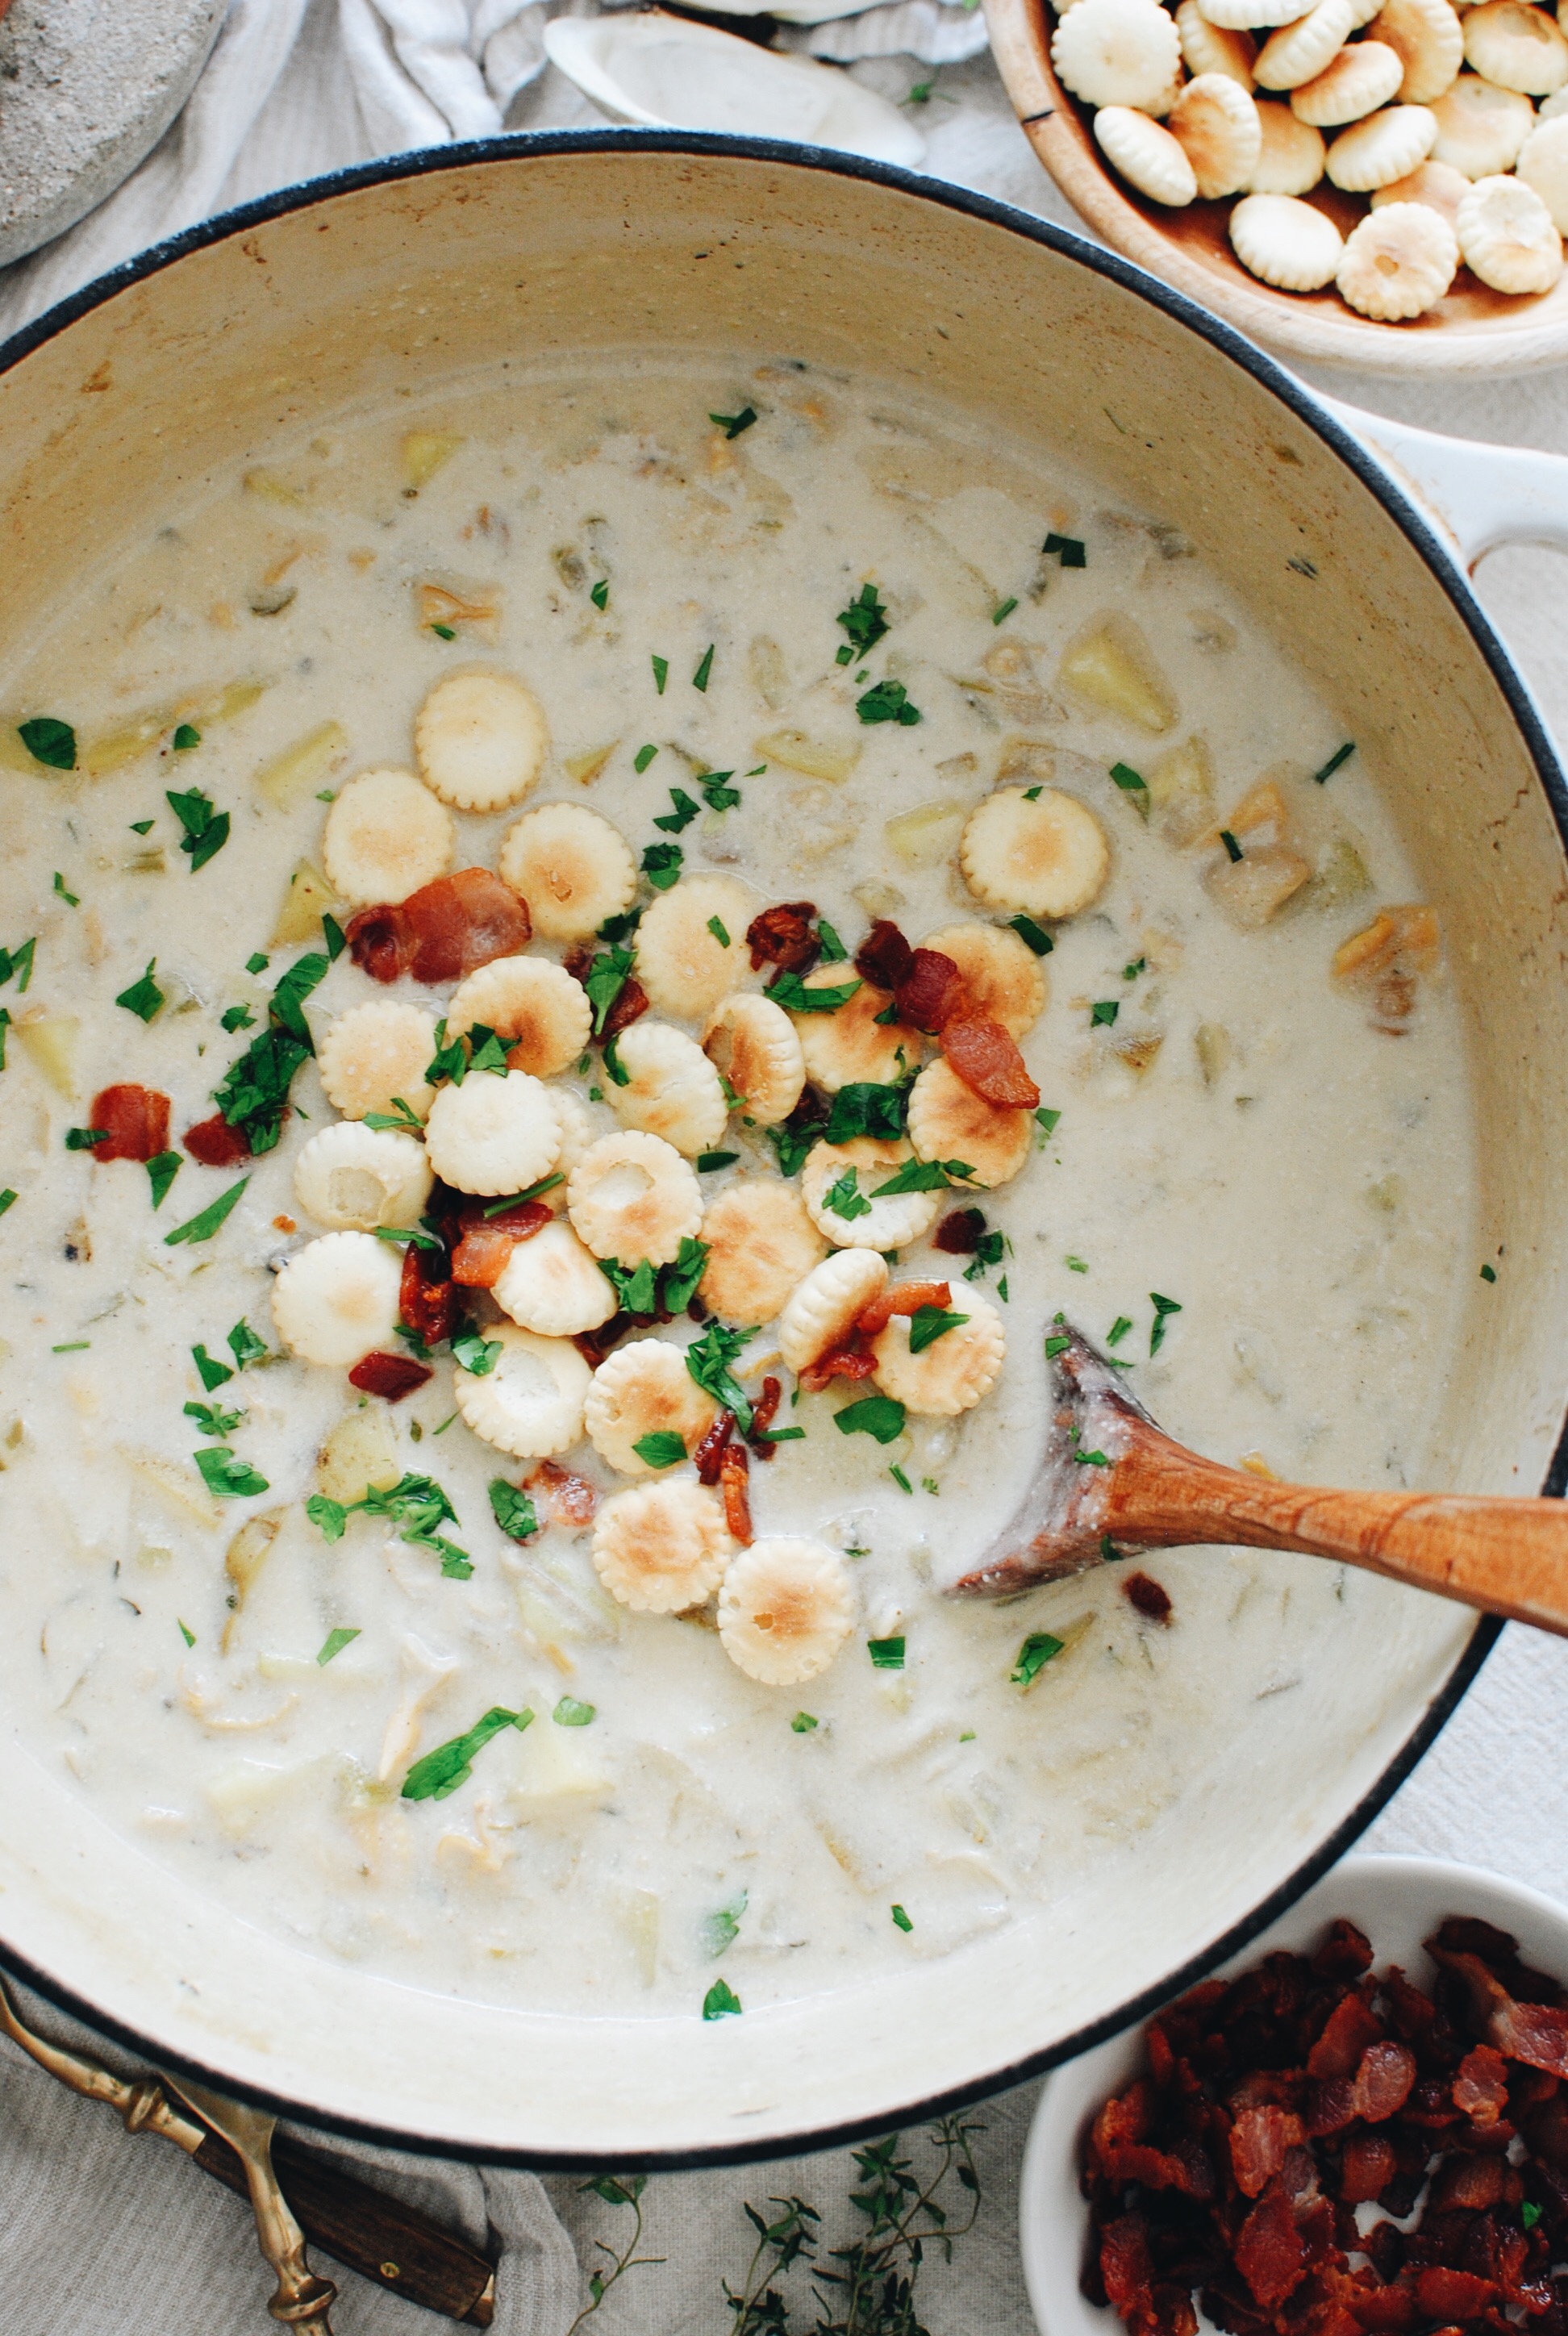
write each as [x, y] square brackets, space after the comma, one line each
[395, 2245]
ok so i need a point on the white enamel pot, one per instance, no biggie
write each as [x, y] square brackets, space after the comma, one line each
[411, 272]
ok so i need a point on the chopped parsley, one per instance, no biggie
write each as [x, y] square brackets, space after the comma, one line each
[721, 1929]
[1131, 972]
[791, 1144]
[143, 997]
[1046, 1121]
[886, 1654]
[1033, 795]
[8, 1199]
[1068, 549]
[214, 1374]
[686, 810]
[865, 621]
[1340, 755]
[449, 1765]
[989, 1249]
[71, 900]
[206, 830]
[233, 1017]
[844, 1198]
[875, 1415]
[1105, 1012]
[202, 1227]
[73, 1347]
[900, 1480]
[1161, 1306]
[660, 673]
[1038, 939]
[732, 424]
[721, 2002]
[212, 1419]
[141, 827]
[1233, 849]
[1033, 1656]
[84, 1139]
[781, 1436]
[256, 963]
[1131, 783]
[790, 992]
[184, 738]
[866, 1107]
[599, 593]
[833, 951]
[925, 1176]
[1488, 1273]
[336, 1642]
[445, 632]
[253, 1093]
[708, 1359]
[244, 1345]
[336, 940]
[635, 1286]
[399, 1117]
[1119, 1329]
[1086, 1459]
[642, 758]
[710, 1161]
[699, 680]
[802, 1723]
[661, 1448]
[476, 1355]
[224, 1473]
[930, 1323]
[888, 701]
[513, 1510]
[50, 742]
[189, 1636]
[661, 864]
[1001, 614]
[901, 1919]
[415, 1502]
[1075, 1265]
[605, 979]
[679, 1281]
[1529, 2214]
[716, 793]
[570, 1713]
[529, 1193]
[1056, 1346]
[19, 962]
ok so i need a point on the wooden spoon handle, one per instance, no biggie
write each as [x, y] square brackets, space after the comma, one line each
[1503, 1555]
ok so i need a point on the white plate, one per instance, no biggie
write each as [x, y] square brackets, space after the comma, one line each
[1398, 1901]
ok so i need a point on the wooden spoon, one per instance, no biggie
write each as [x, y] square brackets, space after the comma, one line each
[1111, 1481]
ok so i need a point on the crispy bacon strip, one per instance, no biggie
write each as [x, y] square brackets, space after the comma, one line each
[843, 1363]
[391, 1376]
[427, 1303]
[710, 1453]
[931, 992]
[907, 1299]
[484, 1249]
[632, 1003]
[885, 957]
[137, 1122]
[784, 935]
[570, 1499]
[733, 1475]
[959, 1234]
[446, 929]
[1481, 2085]
[762, 1414]
[986, 1059]
[217, 1145]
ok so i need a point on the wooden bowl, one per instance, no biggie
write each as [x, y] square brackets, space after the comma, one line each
[1473, 330]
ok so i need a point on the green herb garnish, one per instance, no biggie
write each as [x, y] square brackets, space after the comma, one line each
[930, 1323]
[886, 1654]
[401, 1117]
[802, 1723]
[721, 1929]
[570, 1713]
[213, 1373]
[212, 1419]
[660, 673]
[699, 680]
[184, 738]
[866, 1107]
[720, 2001]
[865, 621]
[225, 1473]
[415, 1502]
[86, 1139]
[1340, 755]
[449, 1765]
[189, 1636]
[1033, 1656]
[71, 900]
[732, 424]
[599, 593]
[475, 1354]
[888, 701]
[336, 1642]
[161, 1173]
[202, 1227]
[253, 1093]
[708, 1359]
[513, 1510]
[1119, 1329]
[900, 1480]
[679, 1281]
[661, 864]
[141, 827]
[844, 1198]
[605, 979]
[1488, 1273]
[661, 1448]
[445, 632]
[1067, 549]
[49, 741]
[206, 830]
[899, 1917]
[642, 758]
[1161, 1306]
[708, 1162]
[790, 992]
[686, 810]
[874, 1415]
[143, 997]
[19, 962]
[1046, 1121]
[1056, 1346]
[1233, 849]
[256, 963]
[1104, 1013]
[232, 1019]
[925, 1176]
[244, 1345]
[1037, 939]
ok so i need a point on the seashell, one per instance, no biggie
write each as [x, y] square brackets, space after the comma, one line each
[1427, 35]
[1211, 49]
[1233, 15]
[1117, 52]
[1508, 236]
[1517, 47]
[1298, 52]
[1290, 161]
[1544, 165]
[1481, 129]
[656, 71]
[931, 30]
[1360, 79]
[1398, 262]
[1435, 184]
[1285, 243]
[1148, 157]
[1387, 145]
[1215, 124]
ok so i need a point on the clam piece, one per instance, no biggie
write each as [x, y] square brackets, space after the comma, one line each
[656, 71]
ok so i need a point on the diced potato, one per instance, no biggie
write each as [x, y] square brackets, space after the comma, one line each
[271, 487]
[308, 899]
[585, 768]
[926, 836]
[305, 766]
[1214, 1048]
[360, 1451]
[555, 1773]
[1026, 763]
[812, 756]
[878, 900]
[1343, 877]
[1181, 788]
[13, 755]
[240, 1796]
[50, 1041]
[1112, 665]
[235, 697]
[1139, 1054]
[423, 453]
[243, 1560]
[180, 1487]
[769, 673]
[1387, 963]
[1251, 889]
[111, 752]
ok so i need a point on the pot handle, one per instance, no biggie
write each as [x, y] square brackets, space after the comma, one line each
[1481, 497]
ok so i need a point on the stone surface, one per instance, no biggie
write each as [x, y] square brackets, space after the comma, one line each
[87, 88]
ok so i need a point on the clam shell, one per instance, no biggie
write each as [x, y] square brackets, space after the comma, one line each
[656, 71]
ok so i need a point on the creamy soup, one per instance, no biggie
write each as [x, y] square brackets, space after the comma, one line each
[797, 642]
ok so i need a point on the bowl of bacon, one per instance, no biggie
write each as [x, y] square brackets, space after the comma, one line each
[1359, 2127]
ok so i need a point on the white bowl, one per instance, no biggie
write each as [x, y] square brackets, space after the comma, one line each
[1398, 1902]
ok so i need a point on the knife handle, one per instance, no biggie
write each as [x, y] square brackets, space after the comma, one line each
[376, 2235]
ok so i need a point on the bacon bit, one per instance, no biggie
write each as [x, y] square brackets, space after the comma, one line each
[594, 1345]
[1150, 1599]
[843, 1363]
[578, 959]
[1535, 2033]
[931, 991]
[426, 1301]
[1127, 2266]
[784, 935]
[959, 1234]
[1345, 1953]
[1481, 2086]
[136, 1120]
[1446, 2294]
[1367, 2167]
[445, 931]
[907, 1299]
[885, 957]
[985, 1057]
[393, 1375]
[1258, 2140]
[217, 1145]
[632, 1002]
[485, 1247]
[762, 1413]
[1474, 2185]
[284, 1225]
[1270, 2252]
[733, 1475]
[571, 1499]
[380, 942]
[1350, 2028]
[1384, 2081]
[709, 1453]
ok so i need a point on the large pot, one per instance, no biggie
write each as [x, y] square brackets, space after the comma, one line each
[117, 404]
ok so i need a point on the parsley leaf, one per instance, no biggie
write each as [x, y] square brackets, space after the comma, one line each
[143, 997]
[214, 1374]
[202, 1227]
[86, 1139]
[513, 1510]
[686, 811]
[721, 1929]
[224, 1473]
[206, 830]
[928, 1324]
[1068, 549]
[874, 1415]
[184, 738]
[599, 594]
[867, 1107]
[699, 680]
[212, 1419]
[661, 864]
[660, 673]
[802, 1723]
[476, 1355]
[790, 992]
[1161, 1306]
[336, 1642]
[708, 1360]
[844, 1198]
[732, 424]
[886, 1654]
[244, 1345]
[661, 1448]
[635, 1286]
[709, 1162]
[253, 1093]
[233, 1017]
[888, 701]
[449, 1765]
[865, 621]
[49, 741]
[721, 2002]
[925, 1176]
[715, 794]
[18, 961]
[642, 758]
[570, 1713]
[161, 1173]
[1037, 939]
[1340, 755]
[1104, 1013]
[679, 1281]
[1033, 1656]
[833, 951]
